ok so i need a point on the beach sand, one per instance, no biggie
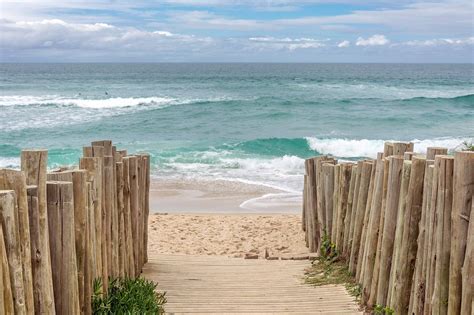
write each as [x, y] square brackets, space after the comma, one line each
[196, 218]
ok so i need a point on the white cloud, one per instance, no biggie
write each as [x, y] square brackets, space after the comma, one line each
[344, 44]
[440, 42]
[374, 40]
[286, 43]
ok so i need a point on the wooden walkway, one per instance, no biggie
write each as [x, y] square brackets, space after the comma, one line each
[221, 285]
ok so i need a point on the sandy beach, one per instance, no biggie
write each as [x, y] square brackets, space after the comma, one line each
[206, 218]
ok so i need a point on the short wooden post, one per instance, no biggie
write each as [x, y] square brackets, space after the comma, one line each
[348, 218]
[328, 190]
[121, 217]
[129, 261]
[63, 248]
[393, 194]
[408, 155]
[399, 148]
[417, 291]
[372, 229]
[15, 180]
[397, 245]
[431, 152]
[345, 179]
[335, 204]
[362, 191]
[462, 206]
[6, 297]
[10, 226]
[408, 247]
[387, 149]
[378, 255]
[134, 209]
[34, 166]
[442, 235]
[468, 269]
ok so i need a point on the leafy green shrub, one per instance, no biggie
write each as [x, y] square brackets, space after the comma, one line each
[381, 310]
[327, 249]
[127, 296]
[467, 146]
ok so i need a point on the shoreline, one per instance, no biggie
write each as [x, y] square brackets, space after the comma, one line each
[192, 196]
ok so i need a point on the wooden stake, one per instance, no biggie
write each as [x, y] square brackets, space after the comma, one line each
[442, 234]
[462, 206]
[134, 209]
[393, 194]
[468, 269]
[129, 262]
[345, 179]
[347, 220]
[335, 204]
[9, 221]
[328, 190]
[34, 166]
[121, 216]
[432, 152]
[6, 297]
[15, 180]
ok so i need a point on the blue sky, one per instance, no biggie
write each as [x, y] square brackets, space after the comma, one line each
[237, 31]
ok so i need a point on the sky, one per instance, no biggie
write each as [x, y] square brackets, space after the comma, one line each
[237, 31]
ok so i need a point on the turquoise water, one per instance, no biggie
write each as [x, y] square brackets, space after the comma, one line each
[247, 122]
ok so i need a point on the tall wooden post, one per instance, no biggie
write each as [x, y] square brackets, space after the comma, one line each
[462, 205]
[134, 209]
[15, 180]
[129, 261]
[121, 218]
[346, 246]
[6, 297]
[63, 248]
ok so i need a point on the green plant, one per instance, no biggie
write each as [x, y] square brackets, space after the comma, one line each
[383, 310]
[127, 296]
[467, 146]
[327, 249]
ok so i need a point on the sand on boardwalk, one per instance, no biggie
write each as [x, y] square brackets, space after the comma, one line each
[204, 218]
[231, 235]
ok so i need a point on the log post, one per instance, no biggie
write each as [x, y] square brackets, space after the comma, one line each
[387, 149]
[442, 235]
[431, 152]
[90, 273]
[411, 220]
[468, 269]
[15, 180]
[397, 245]
[134, 209]
[354, 209]
[417, 297]
[10, 226]
[34, 166]
[399, 148]
[335, 198]
[63, 249]
[345, 179]
[462, 205]
[393, 194]
[129, 261]
[373, 229]
[6, 297]
[408, 155]
[348, 218]
[328, 190]
[121, 217]
[111, 219]
[304, 207]
[362, 191]
[93, 166]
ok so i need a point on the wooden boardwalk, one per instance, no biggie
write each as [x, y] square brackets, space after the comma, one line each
[221, 285]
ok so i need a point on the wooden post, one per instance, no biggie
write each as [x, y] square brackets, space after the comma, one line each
[6, 297]
[111, 219]
[468, 269]
[397, 244]
[431, 243]
[134, 209]
[442, 234]
[417, 297]
[78, 178]
[303, 213]
[354, 209]
[399, 148]
[393, 194]
[90, 273]
[345, 179]
[387, 149]
[462, 205]
[63, 249]
[373, 229]
[93, 166]
[362, 191]
[15, 180]
[328, 189]
[130, 270]
[348, 219]
[320, 195]
[147, 162]
[335, 197]
[34, 166]
[361, 257]
[431, 152]
[121, 217]
[411, 220]
[10, 226]
[378, 255]
[408, 155]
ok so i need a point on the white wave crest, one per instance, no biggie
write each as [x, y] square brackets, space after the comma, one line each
[369, 148]
[9, 162]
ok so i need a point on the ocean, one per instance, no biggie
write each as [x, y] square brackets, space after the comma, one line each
[253, 123]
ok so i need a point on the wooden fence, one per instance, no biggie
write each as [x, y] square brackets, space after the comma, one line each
[402, 223]
[61, 230]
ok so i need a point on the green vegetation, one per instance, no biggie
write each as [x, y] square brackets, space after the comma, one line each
[127, 296]
[467, 146]
[381, 310]
[331, 268]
